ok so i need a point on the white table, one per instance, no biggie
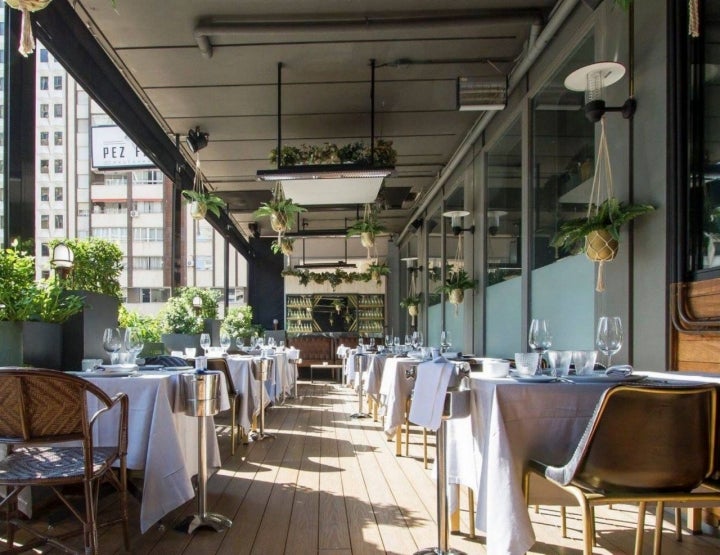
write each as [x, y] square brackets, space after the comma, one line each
[241, 372]
[395, 390]
[162, 440]
[510, 423]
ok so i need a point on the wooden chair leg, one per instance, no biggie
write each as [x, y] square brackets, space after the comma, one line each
[233, 429]
[471, 512]
[640, 533]
[398, 441]
[678, 524]
[657, 542]
[563, 521]
[455, 516]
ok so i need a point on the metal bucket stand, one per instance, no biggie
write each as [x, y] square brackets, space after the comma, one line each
[260, 434]
[359, 367]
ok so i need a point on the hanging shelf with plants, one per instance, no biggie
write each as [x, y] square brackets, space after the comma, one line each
[281, 211]
[329, 154]
[306, 277]
[368, 228]
[598, 233]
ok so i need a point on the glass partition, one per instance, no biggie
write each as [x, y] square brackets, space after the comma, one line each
[503, 294]
[562, 286]
[454, 262]
[434, 276]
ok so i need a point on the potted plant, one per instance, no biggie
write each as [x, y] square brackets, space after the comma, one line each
[31, 313]
[378, 269]
[182, 320]
[412, 302]
[280, 210]
[351, 153]
[201, 202]
[367, 228]
[95, 277]
[148, 328]
[456, 282]
[237, 324]
[598, 234]
[289, 156]
[283, 245]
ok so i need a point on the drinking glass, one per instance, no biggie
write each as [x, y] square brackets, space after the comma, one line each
[112, 343]
[408, 342]
[445, 342]
[396, 342]
[205, 342]
[271, 342]
[240, 342]
[225, 342]
[372, 343]
[133, 343]
[539, 338]
[584, 362]
[609, 336]
[420, 339]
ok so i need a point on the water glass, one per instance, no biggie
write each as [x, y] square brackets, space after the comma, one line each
[526, 363]
[133, 344]
[559, 362]
[112, 343]
[584, 362]
[225, 342]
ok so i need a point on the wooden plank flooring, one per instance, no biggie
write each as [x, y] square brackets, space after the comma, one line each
[329, 484]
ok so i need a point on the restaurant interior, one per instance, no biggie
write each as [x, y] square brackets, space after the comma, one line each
[471, 135]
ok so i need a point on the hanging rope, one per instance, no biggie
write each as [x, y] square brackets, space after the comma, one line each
[457, 265]
[600, 246]
[693, 18]
[27, 41]
[412, 309]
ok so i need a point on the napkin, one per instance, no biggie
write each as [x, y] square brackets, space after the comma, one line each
[431, 383]
[619, 370]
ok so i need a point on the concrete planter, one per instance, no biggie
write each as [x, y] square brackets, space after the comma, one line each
[38, 344]
[181, 341]
[82, 333]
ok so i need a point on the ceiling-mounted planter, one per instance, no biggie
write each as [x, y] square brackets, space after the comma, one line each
[367, 239]
[280, 210]
[27, 41]
[456, 296]
[601, 246]
[197, 210]
[367, 228]
[201, 203]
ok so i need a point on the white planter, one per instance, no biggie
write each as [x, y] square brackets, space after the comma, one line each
[457, 296]
[367, 239]
[278, 222]
[198, 210]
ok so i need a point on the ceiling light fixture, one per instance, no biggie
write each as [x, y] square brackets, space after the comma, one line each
[456, 221]
[196, 139]
[482, 93]
[593, 79]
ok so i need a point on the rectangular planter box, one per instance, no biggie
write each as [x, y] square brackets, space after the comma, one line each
[82, 333]
[180, 341]
[37, 344]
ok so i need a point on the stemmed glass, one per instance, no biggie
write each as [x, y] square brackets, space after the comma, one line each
[539, 338]
[396, 343]
[445, 342]
[133, 343]
[112, 343]
[609, 337]
[205, 342]
[225, 342]
[240, 342]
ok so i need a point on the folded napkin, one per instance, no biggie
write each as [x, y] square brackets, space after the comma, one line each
[431, 383]
[619, 370]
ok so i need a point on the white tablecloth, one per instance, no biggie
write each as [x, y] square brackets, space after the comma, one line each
[241, 372]
[395, 389]
[510, 423]
[162, 440]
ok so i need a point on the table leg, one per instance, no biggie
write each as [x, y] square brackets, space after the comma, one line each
[398, 441]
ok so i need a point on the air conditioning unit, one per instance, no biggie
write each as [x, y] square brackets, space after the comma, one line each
[190, 262]
[133, 213]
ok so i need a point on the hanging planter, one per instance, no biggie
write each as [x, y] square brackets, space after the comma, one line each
[283, 245]
[280, 210]
[598, 233]
[27, 41]
[377, 270]
[367, 228]
[198, 210]
[200, 200]
[456, 296]
[412, 303]
[455, 285]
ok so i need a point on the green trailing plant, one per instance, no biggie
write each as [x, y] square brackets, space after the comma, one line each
[352, 152]
[610, 217]
[289, 156]
[97, 266]
[305, 277]
[283, 245]
[147, 325]
[328, 153]
[209, 297]
[22, 298]
[368, 227]
[377, 270]
[206, 202]
[281, 211]
[411, 300]
[238, 323]
[457, 279]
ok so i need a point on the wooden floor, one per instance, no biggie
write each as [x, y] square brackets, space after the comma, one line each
[330, 484]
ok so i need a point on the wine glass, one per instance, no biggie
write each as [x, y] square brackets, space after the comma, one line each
[133, 343]
[445, 342]
[420, 340]
[225, 342]
[396, 343]
[271, 342]
[112, 343]
[609, 337]
[539, 338]
[205, 342]
[240, 342]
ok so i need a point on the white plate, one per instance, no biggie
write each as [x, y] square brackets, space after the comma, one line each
[101, 374]
[534, 379]
[602, 378]
[118, 368]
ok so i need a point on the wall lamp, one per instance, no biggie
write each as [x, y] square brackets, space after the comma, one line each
[197, 304]
[417, 224]
[196, 139]
[62, 260]
[494, 217]
[593, 79]
[456, 221]
[254, 228]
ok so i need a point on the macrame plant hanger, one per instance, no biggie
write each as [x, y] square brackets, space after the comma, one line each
[600, 246]
[456, 297]
[412, 309]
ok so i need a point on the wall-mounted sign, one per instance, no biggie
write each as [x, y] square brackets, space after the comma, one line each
[113, 149]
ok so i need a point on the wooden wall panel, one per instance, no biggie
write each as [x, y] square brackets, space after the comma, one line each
[699, 352]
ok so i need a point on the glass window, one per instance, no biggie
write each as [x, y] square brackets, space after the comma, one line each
[59, 221]
[58, 166]
[45, 194]
[44, 249]
[44, 138]
[59, 193]
[44, 221]
[58, 138]
[58, 110]
[148, 234]
[110, 233]
[44, 166]
[44, 110]
[44, 55]
[43, 82]
[58, 82]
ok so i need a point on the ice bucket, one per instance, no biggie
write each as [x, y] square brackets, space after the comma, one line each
[201, 393]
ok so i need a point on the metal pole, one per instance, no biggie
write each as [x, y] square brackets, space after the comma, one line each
[359, 363]
[202, 467]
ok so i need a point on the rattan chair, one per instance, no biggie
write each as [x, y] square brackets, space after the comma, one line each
[41, 411]
[236, 432]
[643, 444]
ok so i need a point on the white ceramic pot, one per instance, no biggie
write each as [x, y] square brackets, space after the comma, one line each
[413, 310]
[457, 296]
[367, 239]
[278, 222]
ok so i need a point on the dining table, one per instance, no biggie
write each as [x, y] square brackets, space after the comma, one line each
[511, 421]
[241, 372]
[162, 439]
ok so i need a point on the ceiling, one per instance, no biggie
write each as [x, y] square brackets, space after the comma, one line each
[230, 91]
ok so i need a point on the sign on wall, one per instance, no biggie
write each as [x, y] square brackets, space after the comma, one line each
[113, 149]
